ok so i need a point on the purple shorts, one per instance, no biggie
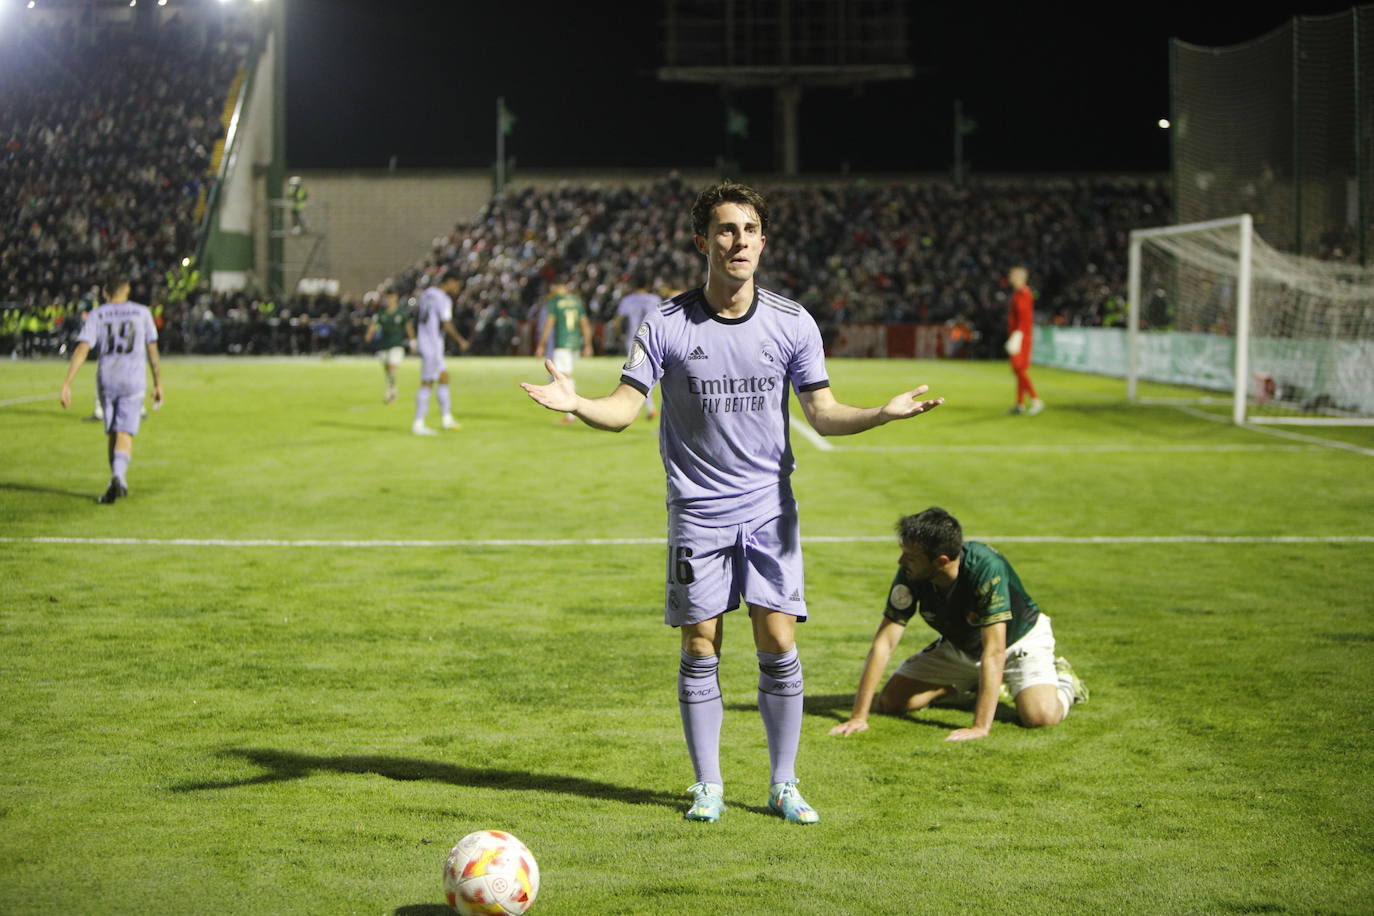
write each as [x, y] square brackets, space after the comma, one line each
[710, 568]
[123, 413]
[432, 364]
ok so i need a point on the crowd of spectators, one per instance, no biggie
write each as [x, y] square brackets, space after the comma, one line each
[891, 252]
[240, 324]
[865, 251]
[105, 142]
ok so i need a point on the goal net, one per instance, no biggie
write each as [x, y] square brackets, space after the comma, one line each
[1284, 338]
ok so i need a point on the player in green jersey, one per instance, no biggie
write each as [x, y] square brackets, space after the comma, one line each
[393, 329]
[566, 322]
[990, 630]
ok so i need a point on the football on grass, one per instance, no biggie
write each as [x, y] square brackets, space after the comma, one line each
[490, 873]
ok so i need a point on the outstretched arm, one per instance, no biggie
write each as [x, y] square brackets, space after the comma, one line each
[614, 412]
[78, 357]
[884, 641]
[829, 417]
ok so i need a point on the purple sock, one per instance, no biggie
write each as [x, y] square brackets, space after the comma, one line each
[780, 705]
[445, 402]
[421, 403]
[119, 466]
[703, 710]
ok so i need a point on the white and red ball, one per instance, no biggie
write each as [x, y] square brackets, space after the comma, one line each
[491, 873]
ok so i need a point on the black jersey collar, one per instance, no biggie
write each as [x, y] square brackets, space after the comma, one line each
[706, 307]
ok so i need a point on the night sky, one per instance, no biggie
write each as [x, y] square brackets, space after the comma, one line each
[1053, 88]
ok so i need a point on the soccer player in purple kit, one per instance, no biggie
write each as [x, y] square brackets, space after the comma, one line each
[631, 311]
[435, 319]
[123, 335]
[725, 354]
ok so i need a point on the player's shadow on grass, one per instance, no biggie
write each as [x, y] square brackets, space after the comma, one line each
[50, 491]
[837, 706]
[826, 705]
[282, 766]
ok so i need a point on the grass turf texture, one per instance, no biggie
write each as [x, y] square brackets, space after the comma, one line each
[307, 729]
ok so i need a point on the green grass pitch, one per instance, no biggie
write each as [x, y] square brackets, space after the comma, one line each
[224, 695]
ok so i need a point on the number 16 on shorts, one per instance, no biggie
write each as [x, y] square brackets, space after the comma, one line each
[680, 575]
[680, 566]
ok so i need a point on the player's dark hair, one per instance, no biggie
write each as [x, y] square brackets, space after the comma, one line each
[727, 192]
[451, 275]
[115, 281]
[934, 531]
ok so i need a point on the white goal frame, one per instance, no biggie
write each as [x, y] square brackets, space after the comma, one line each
[1244, 277]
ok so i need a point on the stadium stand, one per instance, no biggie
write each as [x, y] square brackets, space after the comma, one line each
[897, 252]
[893, 252]
[105, 141]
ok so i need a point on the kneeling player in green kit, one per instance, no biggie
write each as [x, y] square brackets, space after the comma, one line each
[991, 632]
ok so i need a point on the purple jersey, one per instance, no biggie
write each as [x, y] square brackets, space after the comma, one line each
[435, 307]
[119, 334]
[725, 401]
[635, 308]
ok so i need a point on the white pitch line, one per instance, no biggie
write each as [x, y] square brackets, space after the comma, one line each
[10, 402]
[1279, 433]
[825, 445]
[1084, 447]
[598, 542]
[313, 542]
[811, 435]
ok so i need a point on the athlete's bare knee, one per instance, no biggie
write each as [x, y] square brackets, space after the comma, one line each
[774, 631]
[702, 640]
[1038, 706]
[891, 706]
[699, 646]
[1040, 717]
[899, 702]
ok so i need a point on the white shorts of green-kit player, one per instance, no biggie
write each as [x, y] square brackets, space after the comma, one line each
[565, 360]
[1029, 661]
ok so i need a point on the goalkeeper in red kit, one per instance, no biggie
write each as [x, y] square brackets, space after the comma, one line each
[1020, 322]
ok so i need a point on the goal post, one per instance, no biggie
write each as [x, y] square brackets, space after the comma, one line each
[1281, 338]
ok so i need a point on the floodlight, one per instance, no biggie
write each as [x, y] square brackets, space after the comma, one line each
[1163, 123]
[185, 262]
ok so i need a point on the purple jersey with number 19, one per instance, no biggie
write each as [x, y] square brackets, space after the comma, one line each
[724, 438]
[119, 334]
